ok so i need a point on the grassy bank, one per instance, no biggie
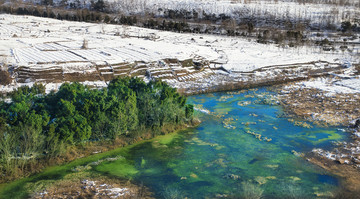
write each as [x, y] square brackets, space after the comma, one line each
[22, 188]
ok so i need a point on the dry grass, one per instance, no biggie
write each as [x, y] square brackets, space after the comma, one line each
[314, 105]
[5, 78]
[99, 187]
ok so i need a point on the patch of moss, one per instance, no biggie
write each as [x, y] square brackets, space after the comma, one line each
[167, 139]
[120, 168]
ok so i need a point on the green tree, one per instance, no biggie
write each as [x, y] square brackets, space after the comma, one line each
[72, 126]
[7, 148]
[132, 112]
[35, 124]
[189, 110]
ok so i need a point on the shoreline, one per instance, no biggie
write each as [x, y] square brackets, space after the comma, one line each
[350, 176]
[96, 147]
[266, 76]
[81, 174]
[328, 108]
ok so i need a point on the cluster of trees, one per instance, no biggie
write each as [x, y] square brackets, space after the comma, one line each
[347, 26]
[258, 23]
[79, 15]
[85, 15]
[333, 2]
[179, 14]
[168, 25]
[35, 126]
[96, 5]
[127, 20]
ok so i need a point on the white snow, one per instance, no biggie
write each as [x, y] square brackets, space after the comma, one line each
[63, 44]
[333, 86]
[44, 44]
[353, 84]
[202, 110]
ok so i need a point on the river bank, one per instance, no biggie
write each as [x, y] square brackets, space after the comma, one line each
[74, 179]
[96, 147]
[330, 101]
[96, 187]
[223, 80]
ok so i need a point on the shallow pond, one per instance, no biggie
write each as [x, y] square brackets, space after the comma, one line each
[242, 143]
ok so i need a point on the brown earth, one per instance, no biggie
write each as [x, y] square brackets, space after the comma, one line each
[5, 78]
[99, 187]
[350, 182]
[316, 106]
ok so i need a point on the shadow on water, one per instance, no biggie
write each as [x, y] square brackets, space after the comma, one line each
[259, 158]
[328, 179]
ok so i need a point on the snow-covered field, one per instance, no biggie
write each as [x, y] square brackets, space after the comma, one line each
[27, 40]
[42, 43]
[333, 86]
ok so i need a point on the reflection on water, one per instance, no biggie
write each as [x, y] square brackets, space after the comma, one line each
[242, 142]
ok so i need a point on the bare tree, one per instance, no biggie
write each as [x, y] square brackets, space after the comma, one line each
[85, 44]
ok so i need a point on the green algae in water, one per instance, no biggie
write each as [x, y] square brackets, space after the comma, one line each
[210, 159]
[320, 136]
[201, 170]
[22, 188]
[120, 168]
[167, 139]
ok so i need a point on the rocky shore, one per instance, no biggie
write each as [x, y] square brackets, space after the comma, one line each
[320, 106]
[333, 101]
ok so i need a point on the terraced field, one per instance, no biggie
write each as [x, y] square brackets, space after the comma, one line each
[51, 51]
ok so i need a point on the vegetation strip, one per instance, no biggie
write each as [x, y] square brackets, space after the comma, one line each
[35, 126]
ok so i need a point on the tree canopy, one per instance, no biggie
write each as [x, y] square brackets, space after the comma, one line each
[37, 125]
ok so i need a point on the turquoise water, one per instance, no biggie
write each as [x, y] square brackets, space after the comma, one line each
[243, 147]
[225, 154]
